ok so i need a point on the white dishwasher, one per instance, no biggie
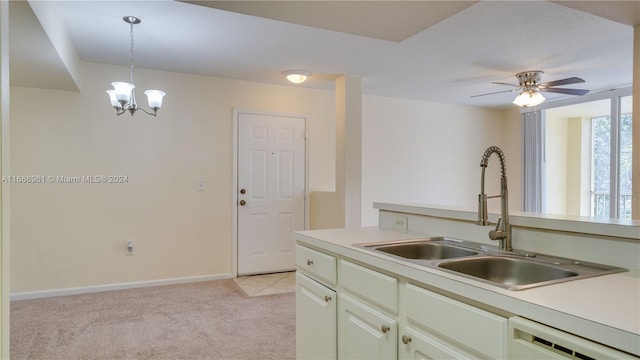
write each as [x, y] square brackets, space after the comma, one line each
[531, 340]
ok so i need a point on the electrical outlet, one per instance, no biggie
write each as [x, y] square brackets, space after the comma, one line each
[400, 222]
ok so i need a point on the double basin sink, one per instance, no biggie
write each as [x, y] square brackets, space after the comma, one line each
[510, 270]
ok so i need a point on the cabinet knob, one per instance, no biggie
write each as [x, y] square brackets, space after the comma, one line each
[406, 339]
[309, 262]
[327, 298]
[243, 203]
[385, 328]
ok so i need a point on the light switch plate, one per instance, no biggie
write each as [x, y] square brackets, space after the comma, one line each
[200, 185]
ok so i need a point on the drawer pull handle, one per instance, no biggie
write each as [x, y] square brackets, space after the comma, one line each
[385, 328]
[406, 339]
[309, 262]
[327, 298]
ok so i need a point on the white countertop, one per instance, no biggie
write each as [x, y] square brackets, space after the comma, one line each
[605, 309]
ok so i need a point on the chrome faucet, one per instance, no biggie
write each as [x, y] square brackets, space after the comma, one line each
[503, 228]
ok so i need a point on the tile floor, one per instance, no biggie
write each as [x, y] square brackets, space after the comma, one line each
[256, 285]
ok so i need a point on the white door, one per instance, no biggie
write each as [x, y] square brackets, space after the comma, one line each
[271, 189]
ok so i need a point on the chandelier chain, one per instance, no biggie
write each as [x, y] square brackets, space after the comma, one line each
[131, 54]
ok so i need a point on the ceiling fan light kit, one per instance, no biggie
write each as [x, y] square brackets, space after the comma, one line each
[530, 88]
[529, 98]
[122, 96]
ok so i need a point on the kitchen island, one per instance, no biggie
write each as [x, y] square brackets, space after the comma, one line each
[604, 310]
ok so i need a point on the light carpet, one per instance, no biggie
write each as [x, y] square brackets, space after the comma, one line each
[207, 320]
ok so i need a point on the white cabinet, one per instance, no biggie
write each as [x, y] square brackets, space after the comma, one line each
[451, 327]
[385, 311]
[365, 332]
[372, 286]
[318, 265]
[316, 309]
[316, 315]
[417, 344]
[367, 304]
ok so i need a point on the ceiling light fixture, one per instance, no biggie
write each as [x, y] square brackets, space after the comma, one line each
[122, 96]
[529, 97]
[296, 76]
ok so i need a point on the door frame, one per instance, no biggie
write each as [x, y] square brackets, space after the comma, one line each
[234, 182]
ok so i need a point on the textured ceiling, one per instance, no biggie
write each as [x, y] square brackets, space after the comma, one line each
[437, 51]
[384, 20]
[624, 12]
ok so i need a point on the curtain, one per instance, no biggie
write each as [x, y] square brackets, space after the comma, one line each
[533, 153]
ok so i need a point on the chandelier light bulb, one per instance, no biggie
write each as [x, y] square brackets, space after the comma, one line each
[114, 100]
[154, 98]
[123, 91]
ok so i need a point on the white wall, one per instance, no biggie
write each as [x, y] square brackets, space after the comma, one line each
[4, 196]
[74, 235]
[556, 156]
[425, 152]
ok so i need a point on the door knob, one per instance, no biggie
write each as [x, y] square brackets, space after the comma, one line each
[243, 191]
[243, 203]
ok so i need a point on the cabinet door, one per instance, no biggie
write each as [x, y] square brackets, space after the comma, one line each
[416, 344]
[365, 333]
[316, 320]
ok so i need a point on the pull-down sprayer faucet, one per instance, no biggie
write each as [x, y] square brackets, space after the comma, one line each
[503, 228]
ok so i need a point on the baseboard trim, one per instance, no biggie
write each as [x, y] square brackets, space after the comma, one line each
[119, 286]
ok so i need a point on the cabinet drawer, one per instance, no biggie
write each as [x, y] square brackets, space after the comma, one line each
[417, 344]
[478, 329]
[376, 288]
[318, 265]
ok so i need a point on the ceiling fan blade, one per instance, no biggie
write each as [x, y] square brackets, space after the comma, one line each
[497, 92]
[567, 81]
[501, 83]
[565, 91]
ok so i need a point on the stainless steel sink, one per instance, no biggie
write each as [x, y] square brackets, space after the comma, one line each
[422, 249]
[425, 251]
[506, 269]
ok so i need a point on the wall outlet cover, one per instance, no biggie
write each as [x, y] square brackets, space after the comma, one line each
[200, 185]
[400, 222]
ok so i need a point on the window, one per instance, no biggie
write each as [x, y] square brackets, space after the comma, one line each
[586, 160]
[601, 200]
[600, 169]
[624, 158]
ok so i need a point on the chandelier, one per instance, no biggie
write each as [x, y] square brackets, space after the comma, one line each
[123, 96]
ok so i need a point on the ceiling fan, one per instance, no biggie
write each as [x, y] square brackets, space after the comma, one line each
[531, 88]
